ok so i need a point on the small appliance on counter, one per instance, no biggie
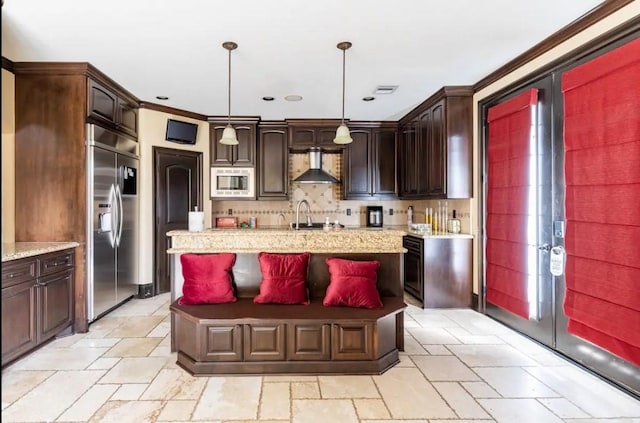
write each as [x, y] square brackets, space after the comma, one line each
[374, 216]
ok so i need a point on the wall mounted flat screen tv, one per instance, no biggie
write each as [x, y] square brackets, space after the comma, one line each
[181, 132]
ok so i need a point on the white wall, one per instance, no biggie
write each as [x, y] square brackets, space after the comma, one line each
[151, 133]
[623, 15]
[8, 157]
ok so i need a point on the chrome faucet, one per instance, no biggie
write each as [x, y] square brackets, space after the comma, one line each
[301, 202]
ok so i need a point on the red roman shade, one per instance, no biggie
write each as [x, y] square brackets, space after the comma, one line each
[508, 187]
[602, 200]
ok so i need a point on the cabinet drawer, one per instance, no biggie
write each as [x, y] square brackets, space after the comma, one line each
[18, 271]
[56, 262]
[352, 341]
[412, 243]
[308, 341]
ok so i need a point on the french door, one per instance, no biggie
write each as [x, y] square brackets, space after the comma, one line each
[562, 186]
[519, 196]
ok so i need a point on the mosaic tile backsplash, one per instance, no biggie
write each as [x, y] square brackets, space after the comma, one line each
[326, 201]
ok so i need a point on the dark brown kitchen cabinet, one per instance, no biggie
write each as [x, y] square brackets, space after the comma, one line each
[273, 162]
[111, 110]
[37, 301]
[369, 165]
[307, 133]
[438, 270]
[435, 147]
[54, 101]
[241, 155]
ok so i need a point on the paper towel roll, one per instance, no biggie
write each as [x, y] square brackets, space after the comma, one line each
[196, 221]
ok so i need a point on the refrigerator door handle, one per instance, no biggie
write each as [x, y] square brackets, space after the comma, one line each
[120, 214]
[112, 201]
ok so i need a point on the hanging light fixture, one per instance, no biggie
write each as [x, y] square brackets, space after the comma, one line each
[229, 134]
[342, 133]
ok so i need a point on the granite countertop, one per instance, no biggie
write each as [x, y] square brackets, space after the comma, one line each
[285, 240]
[18, 250]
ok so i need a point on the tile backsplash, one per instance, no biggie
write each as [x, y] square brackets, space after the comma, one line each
[326, 201]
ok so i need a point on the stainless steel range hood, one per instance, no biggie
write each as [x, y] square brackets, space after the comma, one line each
[315, 174]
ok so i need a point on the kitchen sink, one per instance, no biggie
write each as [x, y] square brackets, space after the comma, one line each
[305, 227]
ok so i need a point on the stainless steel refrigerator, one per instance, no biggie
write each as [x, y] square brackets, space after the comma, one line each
[112, 204]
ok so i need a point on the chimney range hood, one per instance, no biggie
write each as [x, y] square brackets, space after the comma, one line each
[315, 174]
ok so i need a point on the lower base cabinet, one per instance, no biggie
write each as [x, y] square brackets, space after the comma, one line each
[289, 341]
[37, 301]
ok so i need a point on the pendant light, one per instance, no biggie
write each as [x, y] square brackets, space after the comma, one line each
[229, 134]
[342, 133]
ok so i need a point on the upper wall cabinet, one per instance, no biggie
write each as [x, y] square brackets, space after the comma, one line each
[435, 159]
[369, 165]
[307, 133]
[107, 108]
[241, 155]
[273, 162]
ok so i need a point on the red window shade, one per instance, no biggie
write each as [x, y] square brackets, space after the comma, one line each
[508, 188]
[602, 200]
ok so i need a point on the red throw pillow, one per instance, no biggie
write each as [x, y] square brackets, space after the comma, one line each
[353, 284]
[207, 278]
[283, 279]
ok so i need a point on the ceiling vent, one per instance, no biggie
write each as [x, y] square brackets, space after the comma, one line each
[385, 89]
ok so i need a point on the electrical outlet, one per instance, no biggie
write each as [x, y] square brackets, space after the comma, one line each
[230, 212]
[390, 212]
[348, 212]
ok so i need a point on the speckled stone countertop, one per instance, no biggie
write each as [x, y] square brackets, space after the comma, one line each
[18, 250]
[277, 240]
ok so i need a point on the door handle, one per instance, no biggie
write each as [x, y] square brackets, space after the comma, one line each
[120, 214]
[112, 215]
[544, 247]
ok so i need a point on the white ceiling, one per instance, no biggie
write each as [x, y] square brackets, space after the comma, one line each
[174, 48]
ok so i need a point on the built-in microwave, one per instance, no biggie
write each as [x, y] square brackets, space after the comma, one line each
[233, 182]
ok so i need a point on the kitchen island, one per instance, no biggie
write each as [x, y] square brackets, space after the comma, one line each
[248, 338]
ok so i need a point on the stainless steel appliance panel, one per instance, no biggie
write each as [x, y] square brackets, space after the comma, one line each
[127, 235]
[104, 215]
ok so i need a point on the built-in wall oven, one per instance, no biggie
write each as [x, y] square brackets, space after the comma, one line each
[233, 182]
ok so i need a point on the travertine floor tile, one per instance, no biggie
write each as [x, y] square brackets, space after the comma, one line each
[480, 390]
[129, 392]
[436, 336]
[229, 398]
[59, 359]
[407, 393]
[518, 410]
[444, 368]
[15, 384]
[305, 390]
[462, 403]
[177, 411]
[128, 411]
[88, 403]
[47, 400]
[275, 401]
[347, 387]
[323, 411]
[437, 350]
[371, 409]
[563, 408]
[104, 363]
[514, 382]
[133, 347]
[139, 327]
[134, 370]
[176, 384]
[413, 347]
[490, 355]
[87, 342]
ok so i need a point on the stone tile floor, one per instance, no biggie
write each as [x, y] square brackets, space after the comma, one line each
[459, 367]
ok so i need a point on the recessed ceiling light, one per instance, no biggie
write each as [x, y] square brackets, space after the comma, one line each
[369, 98]
[385, 89]
[268, 98]
[162, 97]
[293, 97]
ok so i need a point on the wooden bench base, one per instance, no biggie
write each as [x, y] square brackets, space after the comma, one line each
[247, 338]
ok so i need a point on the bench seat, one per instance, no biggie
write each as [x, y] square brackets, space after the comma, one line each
[248, 338]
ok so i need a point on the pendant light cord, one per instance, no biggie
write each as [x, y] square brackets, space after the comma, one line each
[343, 84]
[229, 99]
